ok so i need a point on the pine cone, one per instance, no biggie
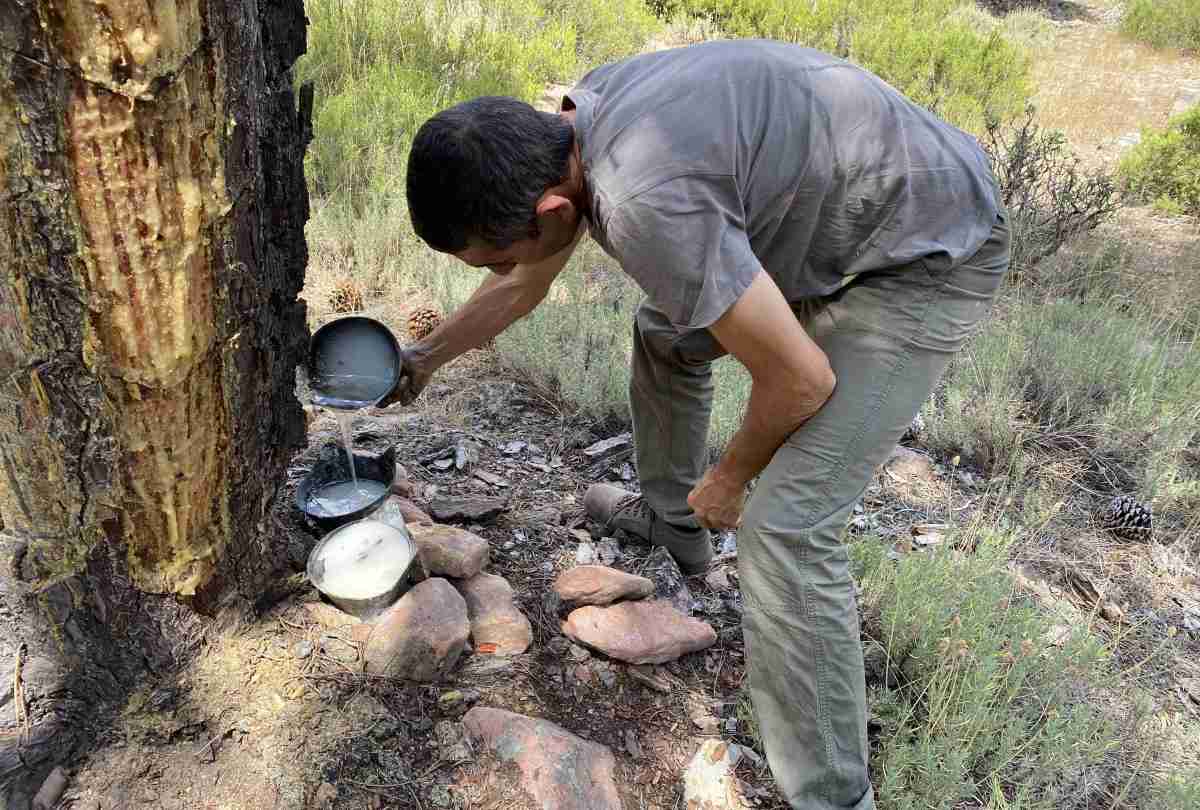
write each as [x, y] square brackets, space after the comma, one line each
[422, 321]
[346, 295]
[1127, 519]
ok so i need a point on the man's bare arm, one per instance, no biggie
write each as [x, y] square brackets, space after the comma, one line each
[496, 304]
[791, 380]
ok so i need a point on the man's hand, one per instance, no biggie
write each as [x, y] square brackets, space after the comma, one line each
[415, 374]
[717, 501]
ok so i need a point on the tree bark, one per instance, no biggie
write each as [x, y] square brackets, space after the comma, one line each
[151, 254]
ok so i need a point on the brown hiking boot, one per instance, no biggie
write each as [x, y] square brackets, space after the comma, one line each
[616, 508]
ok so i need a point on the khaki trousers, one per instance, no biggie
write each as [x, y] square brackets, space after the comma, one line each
[889, 336]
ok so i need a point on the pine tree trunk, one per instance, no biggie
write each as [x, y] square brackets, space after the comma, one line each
[151, 253]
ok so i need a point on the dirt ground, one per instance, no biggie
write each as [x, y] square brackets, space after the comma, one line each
[263, 720]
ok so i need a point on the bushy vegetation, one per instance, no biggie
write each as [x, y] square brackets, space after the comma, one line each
[921, 47]
[380, 69]
[1164, 23]
[1165, 167]
[974, 699]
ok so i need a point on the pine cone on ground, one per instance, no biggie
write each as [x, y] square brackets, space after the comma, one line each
[422, 321]
[1127, 519]
[346, 296]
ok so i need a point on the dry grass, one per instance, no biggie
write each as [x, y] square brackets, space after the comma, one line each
[1096, 86]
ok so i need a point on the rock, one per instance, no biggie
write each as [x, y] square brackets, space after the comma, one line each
[544, 516]
[412, 513]
[909, 465]
[1112, 611]
[439, 796]
[718, 579]
[467, 509]
[1187, 98]
[457, 700]
[51, 790]
[709, 782]
[599, 585]
[302, 649]
[497, 626]
[578, 653]
[585, 554]
[639, 632]
[606, 447]
[632, 746]
[669, 582]
[401, 485]
[325, 797]
[559, 770]
[608, 551]
[450, 552]
[421, 636]
[329, 617]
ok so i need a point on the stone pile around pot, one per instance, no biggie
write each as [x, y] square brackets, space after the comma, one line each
[422, 636]
[647, 631]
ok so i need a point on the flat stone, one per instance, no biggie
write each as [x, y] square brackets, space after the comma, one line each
[709, 782]
[421, 637]
[467, 509]
[718, 579]
[448, 551]
[910, 465]
[498, 627]
[559, 770]
[648, 632]
[600, 585]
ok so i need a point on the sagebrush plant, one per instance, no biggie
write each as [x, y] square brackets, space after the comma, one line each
[1164, 23]
[1076, 377]
[1164, 168]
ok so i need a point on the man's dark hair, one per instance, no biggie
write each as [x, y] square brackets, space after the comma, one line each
[477, 169]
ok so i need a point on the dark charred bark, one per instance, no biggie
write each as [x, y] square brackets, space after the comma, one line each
[151, 254]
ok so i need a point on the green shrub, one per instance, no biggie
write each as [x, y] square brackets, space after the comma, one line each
[380, 69]
[1165, 167]
[1164, 23]
[937, 57]
[607, 30]
[1077, 377]
[973, 699]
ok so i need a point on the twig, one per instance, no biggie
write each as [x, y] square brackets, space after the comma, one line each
[19, 706]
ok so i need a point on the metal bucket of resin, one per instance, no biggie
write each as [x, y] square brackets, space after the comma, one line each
[353, 362]
[363, 566]
[375, 475]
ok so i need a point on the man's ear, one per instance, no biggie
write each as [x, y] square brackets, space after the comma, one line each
[557, 205]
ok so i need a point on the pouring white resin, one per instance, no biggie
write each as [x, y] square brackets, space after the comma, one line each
[363, 560]
[344, 497]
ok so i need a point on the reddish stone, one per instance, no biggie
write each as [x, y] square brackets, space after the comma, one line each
[600, 585]
[421, 636]
[497, 625]
[448, 551]
[559, 770]
[648, 632]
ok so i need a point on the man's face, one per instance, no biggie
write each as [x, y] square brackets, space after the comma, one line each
[554, 234]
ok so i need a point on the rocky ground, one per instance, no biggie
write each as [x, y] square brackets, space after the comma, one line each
[550, 680]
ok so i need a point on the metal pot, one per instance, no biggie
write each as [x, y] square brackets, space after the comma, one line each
[353, 362]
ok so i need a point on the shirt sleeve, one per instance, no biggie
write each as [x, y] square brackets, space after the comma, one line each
[684, 242]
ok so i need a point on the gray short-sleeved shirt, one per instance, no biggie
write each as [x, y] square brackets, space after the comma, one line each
[705, 164]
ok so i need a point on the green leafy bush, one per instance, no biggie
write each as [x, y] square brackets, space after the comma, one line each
[1165, 167]
[607, 30]
[973, 699]
[1164, 23]
[923, 48]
